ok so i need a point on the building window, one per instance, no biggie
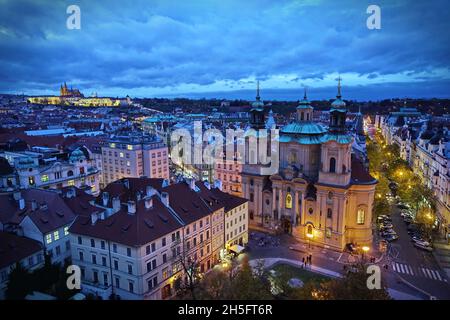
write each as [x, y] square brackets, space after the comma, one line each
[71, 183]
[81, 256]
[56, 235]
[129, 252]
[328, 233]
[92, 243]
[80, 241]
[332, 164]
[66, 231]
[251, 197]
[129, 147]
[44, 178]
[288, 201]
[361, 216]
[130, 269]
[114, 248]
[121, 154]
[31, 181]
[48, 238]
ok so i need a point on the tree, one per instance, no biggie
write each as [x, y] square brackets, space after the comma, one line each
[249, 284]
[216, 285]
[18, 283]
[353, 286]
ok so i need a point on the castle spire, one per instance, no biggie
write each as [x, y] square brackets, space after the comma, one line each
[339, 87]
[304, 96]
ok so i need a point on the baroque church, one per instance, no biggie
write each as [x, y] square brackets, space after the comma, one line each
[322, 192]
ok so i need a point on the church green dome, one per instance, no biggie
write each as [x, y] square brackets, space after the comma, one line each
[303, 128]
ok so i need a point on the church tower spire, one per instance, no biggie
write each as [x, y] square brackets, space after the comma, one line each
[339, 96]
[258, 98]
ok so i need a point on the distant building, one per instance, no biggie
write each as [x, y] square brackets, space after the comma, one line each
[48, 168]
[135, 156]
[66, 92]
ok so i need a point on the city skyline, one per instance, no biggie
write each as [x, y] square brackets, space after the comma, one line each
[210, 49]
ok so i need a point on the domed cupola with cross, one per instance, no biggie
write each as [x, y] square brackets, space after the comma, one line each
[304, 110]
[257, 112]
[335, 167]
[338, 113]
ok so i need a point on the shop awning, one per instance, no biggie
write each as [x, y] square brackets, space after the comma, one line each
[237, 248]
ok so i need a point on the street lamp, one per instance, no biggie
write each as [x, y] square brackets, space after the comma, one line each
[365, 249]
[310, 236]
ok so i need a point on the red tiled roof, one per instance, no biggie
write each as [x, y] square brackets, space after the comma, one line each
[136, 229]
[14, 248]
[359, 174]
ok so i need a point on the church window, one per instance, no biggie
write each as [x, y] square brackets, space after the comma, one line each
[288, 201]
[310, 210]
[251, 182]
[309, 230]
[330, 195]
[332, 164]
[302, 116]
[267, 201]
[329, 213]
[328, 233]
[361, 216]
[292, 157]
[251, 197]
[69, 173]
[344, 168]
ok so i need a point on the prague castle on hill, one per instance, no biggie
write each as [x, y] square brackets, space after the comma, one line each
[73, 97]
[65, 92]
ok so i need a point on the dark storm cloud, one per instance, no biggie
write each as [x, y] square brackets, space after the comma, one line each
[143, 45]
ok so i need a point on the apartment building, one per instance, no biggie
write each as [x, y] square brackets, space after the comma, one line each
[135, 156]
[229, 173]
[144, 233]
[48, 168]
[44, 216]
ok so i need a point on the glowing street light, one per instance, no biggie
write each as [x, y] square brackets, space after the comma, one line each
[310, 236]
[365, 249]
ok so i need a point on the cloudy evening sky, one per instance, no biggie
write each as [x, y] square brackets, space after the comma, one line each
[219, 48]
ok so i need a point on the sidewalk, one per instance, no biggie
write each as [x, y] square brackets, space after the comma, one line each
[270, 262]
[442, 255]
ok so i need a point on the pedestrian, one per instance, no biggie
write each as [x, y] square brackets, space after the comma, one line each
[303, 262]
[310, 259]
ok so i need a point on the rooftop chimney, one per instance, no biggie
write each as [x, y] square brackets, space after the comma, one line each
[21, 203]
[34, 205]
[131, 207]
[149, 191]
[94, 218]
[17, 195]
[116, 204]
[71, 192]
[165, 198]
[148, 203]
[192, 184]
[105, 198]
[218, 184]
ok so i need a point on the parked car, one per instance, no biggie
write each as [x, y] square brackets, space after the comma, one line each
[386, 226]
[388, 232]
[391, 237]
[423, 247]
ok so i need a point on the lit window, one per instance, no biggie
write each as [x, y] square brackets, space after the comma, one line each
[66, 231]
[71, 183]
[121, 155]
[288, 201]
[129, 147]
[128, 163]
[48, 238]
[361, 216]
[93, 189]
[112, 145]
[56, 235]
[44, 178]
